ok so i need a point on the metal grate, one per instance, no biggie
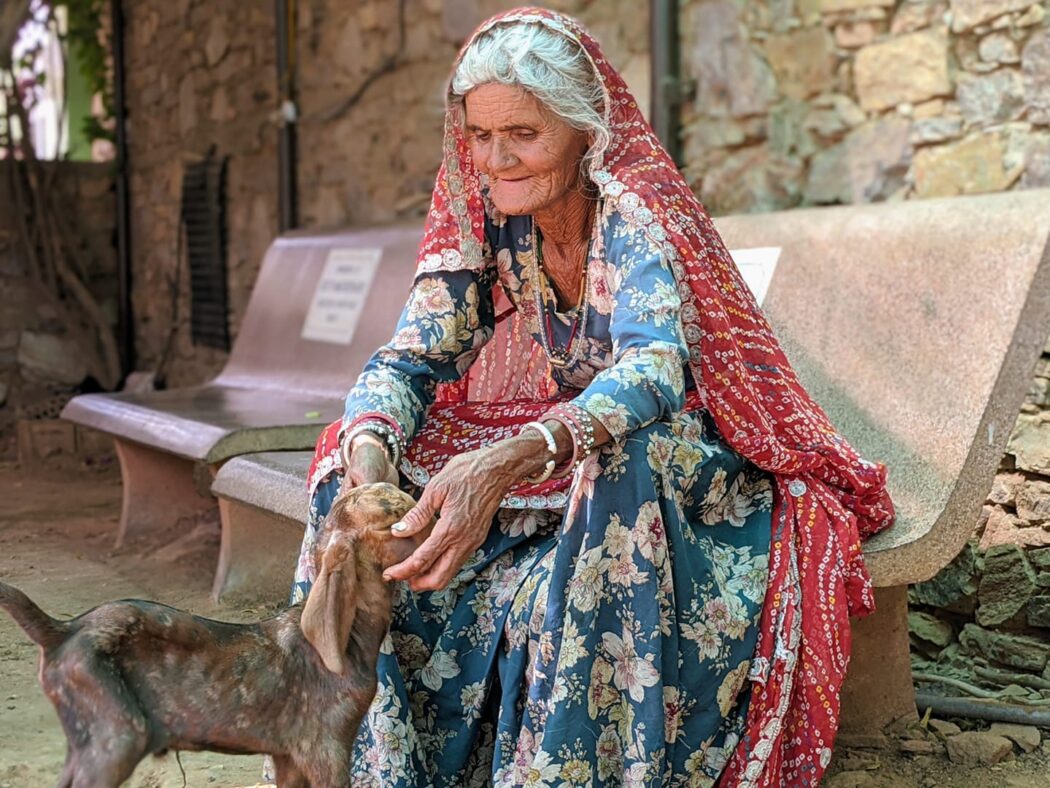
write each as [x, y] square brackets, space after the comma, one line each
[204, 217]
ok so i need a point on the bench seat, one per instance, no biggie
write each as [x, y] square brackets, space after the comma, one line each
[297, 351]
[209, 423]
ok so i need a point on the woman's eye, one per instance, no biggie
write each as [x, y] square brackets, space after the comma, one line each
[481, 136]
[526, 135]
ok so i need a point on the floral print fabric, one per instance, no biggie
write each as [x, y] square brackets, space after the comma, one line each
[608, 643]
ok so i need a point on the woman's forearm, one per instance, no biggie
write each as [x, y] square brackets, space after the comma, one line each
[527, 454]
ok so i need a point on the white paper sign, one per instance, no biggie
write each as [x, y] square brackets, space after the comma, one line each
[340, 295]
[757, 266]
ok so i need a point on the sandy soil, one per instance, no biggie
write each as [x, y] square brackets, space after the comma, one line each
[56, 543]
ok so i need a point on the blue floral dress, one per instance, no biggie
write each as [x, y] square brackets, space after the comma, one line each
[606, 643]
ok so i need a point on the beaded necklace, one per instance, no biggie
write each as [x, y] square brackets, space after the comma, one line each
[578, 334]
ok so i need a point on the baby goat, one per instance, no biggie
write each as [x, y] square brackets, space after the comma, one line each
[135, 678]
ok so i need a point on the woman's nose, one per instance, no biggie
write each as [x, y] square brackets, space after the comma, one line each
[501, 157]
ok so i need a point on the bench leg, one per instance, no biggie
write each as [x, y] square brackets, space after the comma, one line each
[158, 490]
[257, 554]
[879, 689]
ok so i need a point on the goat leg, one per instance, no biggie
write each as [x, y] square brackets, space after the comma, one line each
[288, 774]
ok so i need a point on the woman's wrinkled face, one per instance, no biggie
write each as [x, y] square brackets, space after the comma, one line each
[530, 155]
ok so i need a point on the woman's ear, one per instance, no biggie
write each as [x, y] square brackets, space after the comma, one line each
[331, 606]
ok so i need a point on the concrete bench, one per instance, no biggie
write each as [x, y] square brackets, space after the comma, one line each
[321, 304]
[917, 326]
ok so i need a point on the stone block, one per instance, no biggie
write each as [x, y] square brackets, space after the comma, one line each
[978, 749]
[944, 728]
[909, 68]
[926, 131]
[787, 132]
[1005, 487]
[838, 6]
[870, 164]
[1037, 611]
[929, 628]
[968, 14]
[1030, 442]
[971, 166]
[51, 358]
[1027, 737]
[1006, 585]
[1005, 528]
[954, 588]
[914, 15]
[998, 47]
[217, 44]
[1033, 16]
[1033, 501]
[1040, 559]
[991, 98]
[801, 61]
[1015, 651]
[752, 180]
[1035, 64]
[731, 77]
[851, 35]
[833, 115]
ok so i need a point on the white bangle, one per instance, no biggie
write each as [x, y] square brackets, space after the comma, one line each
[381, 432]
[552, 447]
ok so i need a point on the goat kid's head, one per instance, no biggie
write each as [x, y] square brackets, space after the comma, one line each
[356, 541]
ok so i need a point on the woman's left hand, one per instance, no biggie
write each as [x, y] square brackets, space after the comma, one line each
[464, 497]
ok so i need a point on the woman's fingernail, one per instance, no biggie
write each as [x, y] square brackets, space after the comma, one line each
[399, 527]
[387, 578]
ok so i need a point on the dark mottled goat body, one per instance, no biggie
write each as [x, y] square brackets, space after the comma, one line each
[134, 678]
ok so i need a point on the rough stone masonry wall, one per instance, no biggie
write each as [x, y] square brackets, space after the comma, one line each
[376, 160]
[810, 102]
[985, 618]
[199, 74]
[203, 74]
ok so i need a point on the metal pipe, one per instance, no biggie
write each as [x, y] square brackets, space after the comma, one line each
[287, 163]
[125, 312]
[665, 78]
[991, 711]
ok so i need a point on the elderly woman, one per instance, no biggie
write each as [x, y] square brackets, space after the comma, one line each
[642, 554]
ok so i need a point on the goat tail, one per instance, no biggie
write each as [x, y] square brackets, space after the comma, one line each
[43, 630]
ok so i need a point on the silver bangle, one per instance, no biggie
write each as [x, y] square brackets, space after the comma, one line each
[382, 432]
[552, 447]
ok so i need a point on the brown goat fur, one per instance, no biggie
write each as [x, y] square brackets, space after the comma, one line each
[135, 678]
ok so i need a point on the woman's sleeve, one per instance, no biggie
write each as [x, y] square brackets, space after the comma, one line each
[446, 322]
[647, 381]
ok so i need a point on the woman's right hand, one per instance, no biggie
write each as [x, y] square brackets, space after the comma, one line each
[369, 462]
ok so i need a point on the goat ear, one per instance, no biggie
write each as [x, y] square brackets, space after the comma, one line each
[330, 608]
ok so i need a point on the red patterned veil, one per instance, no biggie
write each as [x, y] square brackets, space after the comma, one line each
[826, 497]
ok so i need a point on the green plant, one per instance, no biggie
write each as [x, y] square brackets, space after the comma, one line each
[86, 44]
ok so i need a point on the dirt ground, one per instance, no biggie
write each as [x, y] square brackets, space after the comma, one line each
[56, 543]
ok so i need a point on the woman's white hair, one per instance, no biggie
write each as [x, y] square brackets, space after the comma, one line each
[550, 66]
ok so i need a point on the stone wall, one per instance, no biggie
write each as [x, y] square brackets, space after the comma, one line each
[986, 617]
[199, 74]
[203, 74]
[40, 363]
[811, 102]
